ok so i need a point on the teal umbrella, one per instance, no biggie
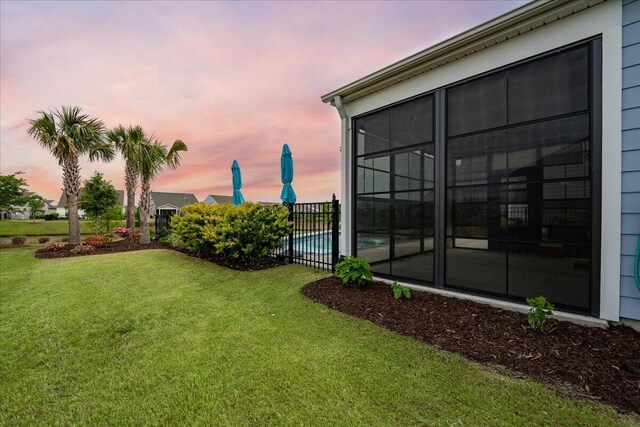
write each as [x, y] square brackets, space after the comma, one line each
[288, 196]
[237, 183]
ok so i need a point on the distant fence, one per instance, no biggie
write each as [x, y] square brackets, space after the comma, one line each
[315, 235]
[314, 239]
[163, 225]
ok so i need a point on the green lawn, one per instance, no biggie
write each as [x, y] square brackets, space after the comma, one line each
[159, 338]
[40, 227]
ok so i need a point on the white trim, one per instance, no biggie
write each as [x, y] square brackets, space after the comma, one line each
[611, 163]
[603, 19]
[167, 207]
[507, 305]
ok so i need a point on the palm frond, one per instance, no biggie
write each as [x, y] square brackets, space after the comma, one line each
[173, 155]
[43, 129]
[101, 151]
[68, 133]
[117, 136]
[151, 157]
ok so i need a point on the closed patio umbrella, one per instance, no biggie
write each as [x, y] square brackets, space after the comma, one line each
[288, 196]
[237, 183]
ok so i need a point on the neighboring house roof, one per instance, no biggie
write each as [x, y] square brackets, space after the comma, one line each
[177, 200]
[62, 203]
[217, 198]
[507, 26]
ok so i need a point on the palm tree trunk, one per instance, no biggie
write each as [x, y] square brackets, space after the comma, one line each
[145, 206]
[131, 181]
[71, 179]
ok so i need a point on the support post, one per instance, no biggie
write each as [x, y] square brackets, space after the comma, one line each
[335, 232]
[290, 249]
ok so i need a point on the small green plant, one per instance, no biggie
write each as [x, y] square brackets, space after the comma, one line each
[353, 271]
[43, 239]
[18, 240]
[399, 291]
[539, 313]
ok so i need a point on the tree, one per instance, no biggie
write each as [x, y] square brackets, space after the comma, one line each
[69, 134]
[127, 142]
[152, 157]
[11, 193]
[97, 197]
[35, 203]
[113, 213]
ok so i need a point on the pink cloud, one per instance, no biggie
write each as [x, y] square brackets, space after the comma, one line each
[233, 80]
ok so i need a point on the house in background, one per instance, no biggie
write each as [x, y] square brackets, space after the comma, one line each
[217, 199]
[50, 206]
[169, 203]
[504, 162]
[61, 207]
[24, 212]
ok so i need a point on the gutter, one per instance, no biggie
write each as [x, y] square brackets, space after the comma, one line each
[345, 157]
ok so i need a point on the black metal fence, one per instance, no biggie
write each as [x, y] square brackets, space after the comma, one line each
[314, 239]
[163, 225]
[315, 235]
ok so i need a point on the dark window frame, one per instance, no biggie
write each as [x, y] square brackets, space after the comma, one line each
[594, 111]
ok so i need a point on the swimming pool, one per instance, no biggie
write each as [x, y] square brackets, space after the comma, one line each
[317, 243]
[320, 243]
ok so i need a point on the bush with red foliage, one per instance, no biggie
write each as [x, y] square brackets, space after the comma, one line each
[54, 246]
[83, 250]
[93, 241]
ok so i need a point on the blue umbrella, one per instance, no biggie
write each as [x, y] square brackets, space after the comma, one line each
[288, 196]
[237, 183]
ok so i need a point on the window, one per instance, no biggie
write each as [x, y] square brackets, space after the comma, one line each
[518, 181]
[394, 189]
[516, 185]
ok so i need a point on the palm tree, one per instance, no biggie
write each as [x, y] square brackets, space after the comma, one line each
[69, 134]
[152, 157]
[128, 141]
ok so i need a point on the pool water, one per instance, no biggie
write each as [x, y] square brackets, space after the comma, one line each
[314, 243]
[321, 242]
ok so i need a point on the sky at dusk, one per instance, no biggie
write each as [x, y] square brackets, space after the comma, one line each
[232, 80]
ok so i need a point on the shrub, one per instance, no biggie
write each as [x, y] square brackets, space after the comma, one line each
[134, 237]
[54, 246]
[107, 238]
[83, 250]
[539, 313]
[400, 292]
[123, 232]
[93, 241]
[18, 240]
[51, 216]
[353, 271]
[43, 239]
[246, 233]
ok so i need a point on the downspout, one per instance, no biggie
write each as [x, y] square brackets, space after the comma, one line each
[345, 194]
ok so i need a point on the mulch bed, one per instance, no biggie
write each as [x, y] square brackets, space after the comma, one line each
[105, 248]
[128, 246]
[589, 361]
[235, 264]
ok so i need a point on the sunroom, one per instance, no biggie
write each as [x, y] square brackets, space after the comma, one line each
[490, 164]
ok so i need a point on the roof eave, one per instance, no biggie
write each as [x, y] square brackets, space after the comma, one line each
[511, 24]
